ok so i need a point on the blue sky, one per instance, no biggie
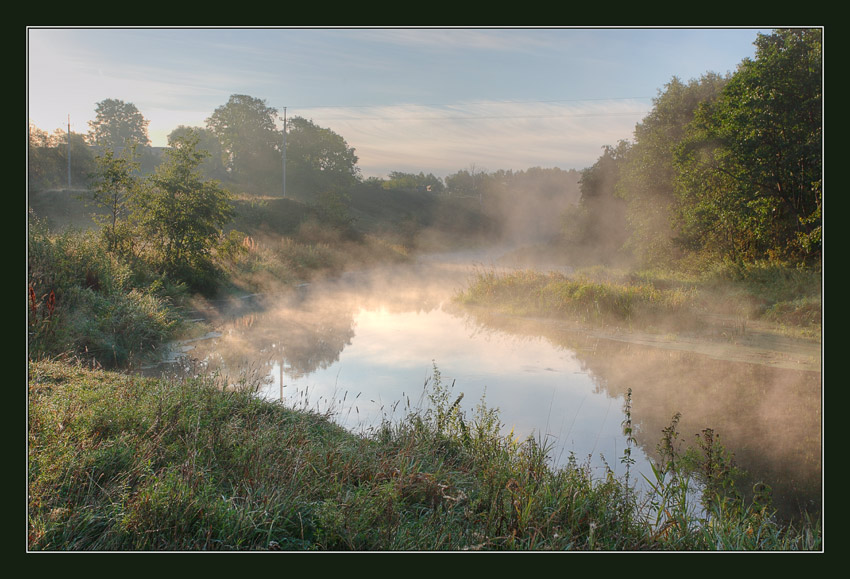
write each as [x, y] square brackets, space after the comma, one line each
[407, 99]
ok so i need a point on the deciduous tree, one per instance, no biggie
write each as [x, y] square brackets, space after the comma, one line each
[318, 160]
[118, 124]
[250, 144]
[115, 186]
[182, 214]
[761, 141]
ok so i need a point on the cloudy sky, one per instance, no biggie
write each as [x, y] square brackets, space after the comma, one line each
[407, 99]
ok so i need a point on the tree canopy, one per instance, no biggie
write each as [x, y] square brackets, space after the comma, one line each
[118, 124]
[752, 162]
[212, 167]
[250, 143]
[398, 180]
[317, 159]
[48, 159]
[181, 214]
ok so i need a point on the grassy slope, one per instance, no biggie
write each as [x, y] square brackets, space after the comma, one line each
[121, 462]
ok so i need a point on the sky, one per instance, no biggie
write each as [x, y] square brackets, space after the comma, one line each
[435, 100]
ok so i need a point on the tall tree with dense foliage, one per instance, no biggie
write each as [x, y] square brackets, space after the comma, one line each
[318, 160]
[182, 214]
[118, 124]
[648, 182]
[250, 143]
[751, 168]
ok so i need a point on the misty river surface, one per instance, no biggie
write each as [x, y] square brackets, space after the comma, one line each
[364, 346]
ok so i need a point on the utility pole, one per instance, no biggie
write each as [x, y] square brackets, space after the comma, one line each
[284, 163]
[69, 151]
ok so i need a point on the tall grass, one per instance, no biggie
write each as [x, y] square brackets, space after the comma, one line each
[786, 296]
[82, 301]
[530, 292]
[122, 462]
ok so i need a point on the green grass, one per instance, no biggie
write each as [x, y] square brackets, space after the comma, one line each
[119, 462]
[608, 301]
[785, 296]
[82, 301]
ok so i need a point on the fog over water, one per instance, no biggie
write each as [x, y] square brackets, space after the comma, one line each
[364, 346]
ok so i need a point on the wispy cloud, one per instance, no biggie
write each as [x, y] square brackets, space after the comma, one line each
[493, 135]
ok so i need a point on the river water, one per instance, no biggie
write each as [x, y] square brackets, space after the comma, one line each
[364, 346]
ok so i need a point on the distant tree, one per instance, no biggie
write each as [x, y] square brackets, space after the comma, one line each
[182, 214]
[466, 183]
[250, 144]
[118, 124]
[42, 159]
[318, 160]
[601, 223]
[212, 167]
[398, 180]
[47, 162]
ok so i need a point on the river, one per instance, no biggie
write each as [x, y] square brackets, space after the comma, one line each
[364, 346]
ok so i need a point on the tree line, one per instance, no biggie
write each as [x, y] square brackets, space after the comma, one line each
[245, 149]
[723, 167]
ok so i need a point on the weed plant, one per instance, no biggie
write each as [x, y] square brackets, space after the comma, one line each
[120, 462]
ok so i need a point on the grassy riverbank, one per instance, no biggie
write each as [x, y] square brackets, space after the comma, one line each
[119, 462]
[789, 298]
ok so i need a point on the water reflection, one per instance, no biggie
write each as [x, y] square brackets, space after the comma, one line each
[364, 346]
[769, 417]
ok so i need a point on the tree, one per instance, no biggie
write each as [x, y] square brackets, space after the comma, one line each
[649, 176]
[114, 188]
[600, 224]
[118, 124]
[471, 183]
[182, 214]
[48, 159]
[212, 167]
[754, 157]
[250, 144]
[318, 159]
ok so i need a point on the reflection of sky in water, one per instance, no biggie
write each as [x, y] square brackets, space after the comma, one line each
[538, 388]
